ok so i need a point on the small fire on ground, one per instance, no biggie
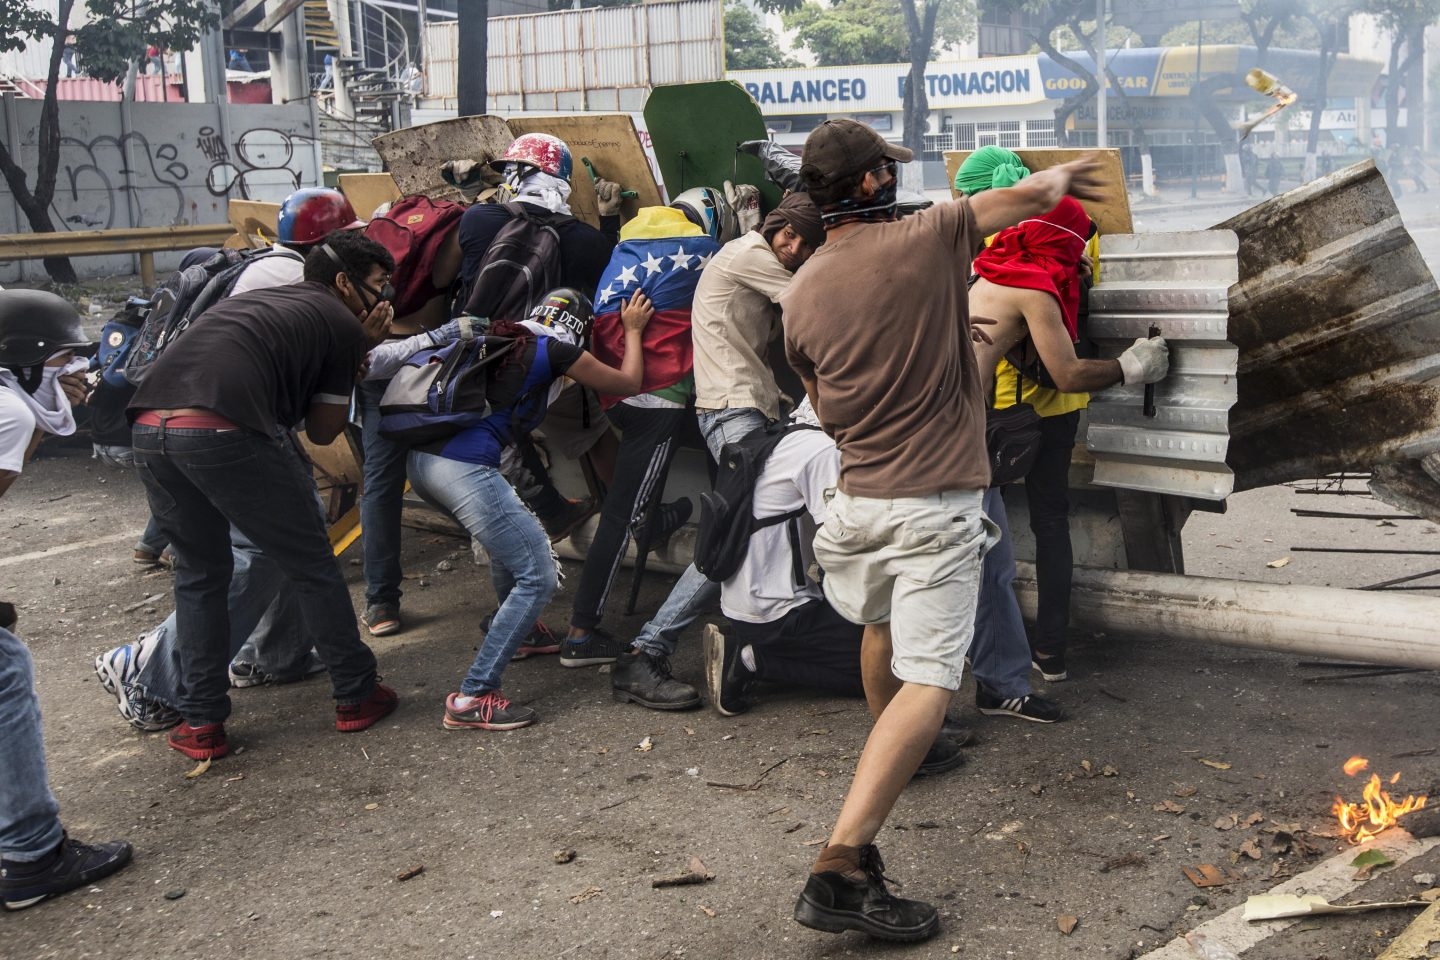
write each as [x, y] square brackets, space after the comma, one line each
[1377, 811]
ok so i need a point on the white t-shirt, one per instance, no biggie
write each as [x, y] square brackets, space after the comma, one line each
[17, 426]
[800, 469]
[278, 271]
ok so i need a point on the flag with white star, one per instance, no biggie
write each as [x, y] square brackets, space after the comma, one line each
[667, 271]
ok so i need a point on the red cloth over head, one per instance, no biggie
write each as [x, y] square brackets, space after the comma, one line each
[1042, 253]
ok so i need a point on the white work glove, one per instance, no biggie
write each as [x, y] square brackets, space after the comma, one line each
[1146, 361]
[744, 199]
[607, 197]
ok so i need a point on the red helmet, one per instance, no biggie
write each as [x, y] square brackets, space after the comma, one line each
[309, 215]
[539, 150]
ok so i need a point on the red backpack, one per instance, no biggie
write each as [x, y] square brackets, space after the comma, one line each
[413, 230]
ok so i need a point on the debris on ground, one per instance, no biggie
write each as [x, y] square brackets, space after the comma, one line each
[1273, 906]
[1368, 862]
[589, 893]
[1209, 949]
[1209, 875]
[564, 855]
[199, 770]
[1067, 924]
[411, 873]
[696, 872]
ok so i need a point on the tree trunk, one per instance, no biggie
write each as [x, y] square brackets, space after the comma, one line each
[1147, 164]
[916, 105]
[36, 203]
[1203, 95]
[1392, 93]
[1329, 50]
[474, 16]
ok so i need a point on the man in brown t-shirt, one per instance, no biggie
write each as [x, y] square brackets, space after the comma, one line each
[877, 328]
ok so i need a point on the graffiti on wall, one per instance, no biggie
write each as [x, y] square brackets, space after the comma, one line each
[174, 172]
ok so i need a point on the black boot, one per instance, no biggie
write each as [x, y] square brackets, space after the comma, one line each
[639, 677]
[833, 902]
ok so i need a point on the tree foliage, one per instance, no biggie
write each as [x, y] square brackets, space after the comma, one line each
[749, 44]
[116, 35]
[873, 31]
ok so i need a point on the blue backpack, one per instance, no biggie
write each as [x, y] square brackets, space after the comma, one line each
[441, 390]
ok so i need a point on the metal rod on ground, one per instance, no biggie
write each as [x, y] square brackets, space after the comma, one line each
[1386, 584]
[1396, 631]
[1381, 550]
[1338, 515]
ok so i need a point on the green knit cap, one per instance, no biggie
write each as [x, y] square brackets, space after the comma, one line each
[989, 167]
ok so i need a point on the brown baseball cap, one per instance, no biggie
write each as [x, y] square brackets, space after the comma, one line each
[842, 148]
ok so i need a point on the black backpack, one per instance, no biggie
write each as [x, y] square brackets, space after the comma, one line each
[184, 296]
[727, 514]
[521, 265]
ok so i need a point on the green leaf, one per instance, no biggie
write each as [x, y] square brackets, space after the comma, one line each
[1372, 859]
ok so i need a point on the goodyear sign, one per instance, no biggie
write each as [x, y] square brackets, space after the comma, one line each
[880, 88]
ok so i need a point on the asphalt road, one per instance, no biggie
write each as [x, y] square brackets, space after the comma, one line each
[292, 847]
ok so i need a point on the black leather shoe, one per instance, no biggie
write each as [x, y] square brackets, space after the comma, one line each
[832, 902]
[944, 754]
[73, 864]
[638, 677]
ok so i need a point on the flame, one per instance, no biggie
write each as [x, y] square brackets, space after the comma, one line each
[1362, 821]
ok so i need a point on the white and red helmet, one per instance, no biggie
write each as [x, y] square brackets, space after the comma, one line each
[539, 150]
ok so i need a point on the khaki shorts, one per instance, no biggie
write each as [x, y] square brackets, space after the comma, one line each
[916, 563]
[563, 428]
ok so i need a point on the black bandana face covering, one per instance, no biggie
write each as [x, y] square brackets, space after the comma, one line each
[877, 208]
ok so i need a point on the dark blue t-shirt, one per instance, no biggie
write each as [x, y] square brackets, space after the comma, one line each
[519, 395]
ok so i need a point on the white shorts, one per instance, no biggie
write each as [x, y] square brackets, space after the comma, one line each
[914, 562]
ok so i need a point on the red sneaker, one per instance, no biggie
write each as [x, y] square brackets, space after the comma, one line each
[205, 742]
[350, 717]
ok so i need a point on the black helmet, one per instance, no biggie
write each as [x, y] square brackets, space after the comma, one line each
[34, 326]
[568, 308]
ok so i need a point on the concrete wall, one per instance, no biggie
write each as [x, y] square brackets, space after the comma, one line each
[155, 165]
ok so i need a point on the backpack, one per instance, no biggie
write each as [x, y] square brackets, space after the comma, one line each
[521, 265]
[1012, 437]
[441, 390]
[117, 338]
[727, 515]
[183, 297]
[413, 230]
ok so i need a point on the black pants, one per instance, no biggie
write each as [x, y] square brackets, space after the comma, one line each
[647, 445]
[1047, 488]
[811, 646]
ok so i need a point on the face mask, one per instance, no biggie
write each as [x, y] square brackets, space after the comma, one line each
[886, 196]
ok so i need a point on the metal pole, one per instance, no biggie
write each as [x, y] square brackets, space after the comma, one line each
[421, 14]
[1195, 95]
[1350, 625]
[1100, 117]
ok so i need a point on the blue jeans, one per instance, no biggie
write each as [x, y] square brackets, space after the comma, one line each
[522, 566]
[1000, 655]
[29, 816]
[381, 500]
[200, 482]
[693, 593]
[263, 612]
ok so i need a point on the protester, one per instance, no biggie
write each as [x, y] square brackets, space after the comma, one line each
[733, 321]
[901, 550]
[210, 438]
[39, 381]
[1030, 284]
[536, 170]
[782, 627]
[662, 254]
[462, 476]
[145, 676]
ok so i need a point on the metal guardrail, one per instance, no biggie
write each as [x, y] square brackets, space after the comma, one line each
[144, 241]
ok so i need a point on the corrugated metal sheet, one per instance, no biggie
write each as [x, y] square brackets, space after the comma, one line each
[1180, 283]
[565, 60]
[1337, 319]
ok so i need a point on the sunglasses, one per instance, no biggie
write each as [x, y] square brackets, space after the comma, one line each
[889, 166]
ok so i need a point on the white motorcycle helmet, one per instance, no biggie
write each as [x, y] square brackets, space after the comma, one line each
[707, 208]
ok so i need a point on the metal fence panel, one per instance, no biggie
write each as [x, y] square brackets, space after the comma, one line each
[1178, 282]
[598, 53]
